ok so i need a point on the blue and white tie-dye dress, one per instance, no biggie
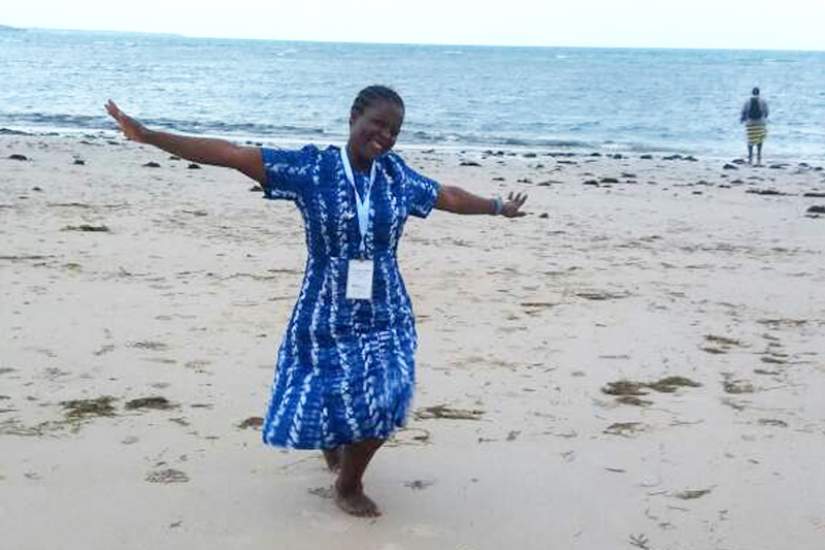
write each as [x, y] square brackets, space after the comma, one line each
[345, 369]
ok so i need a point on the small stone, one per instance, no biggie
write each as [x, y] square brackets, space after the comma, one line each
[18, 157]
[151, 164]
[194, 166]
[251, 422]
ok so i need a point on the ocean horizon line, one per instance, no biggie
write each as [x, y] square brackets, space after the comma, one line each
[634, 48]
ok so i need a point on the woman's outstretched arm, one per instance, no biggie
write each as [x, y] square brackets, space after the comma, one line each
[458, 201]
[218, 152]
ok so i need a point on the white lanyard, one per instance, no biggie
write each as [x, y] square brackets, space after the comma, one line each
[362, 206]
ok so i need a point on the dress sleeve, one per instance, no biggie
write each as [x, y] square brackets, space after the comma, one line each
[421, 192]
[288, 172]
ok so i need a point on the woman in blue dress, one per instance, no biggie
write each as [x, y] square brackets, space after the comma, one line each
[345, 370]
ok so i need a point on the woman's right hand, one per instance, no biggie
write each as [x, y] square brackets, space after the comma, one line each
[130, 127]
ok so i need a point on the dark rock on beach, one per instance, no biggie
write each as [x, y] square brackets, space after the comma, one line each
[469, 163]
[79, 162]
[194, 166]
[10, 132]
[18, 157]
[88, 228]
[151, 164]
[814, 194]
[766, 192]
[251, 422]
[158, 403]
[816, 209]
[729, 166]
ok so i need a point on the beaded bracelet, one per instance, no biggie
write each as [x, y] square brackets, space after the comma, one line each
[498, 206]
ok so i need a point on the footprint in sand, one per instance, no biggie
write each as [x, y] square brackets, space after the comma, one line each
[149, 345]
[323, 492]
[170, 475]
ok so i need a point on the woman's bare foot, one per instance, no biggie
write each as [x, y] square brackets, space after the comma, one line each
[333, 458]
[355, 502]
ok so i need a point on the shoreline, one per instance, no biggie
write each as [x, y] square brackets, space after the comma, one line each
[455, 148]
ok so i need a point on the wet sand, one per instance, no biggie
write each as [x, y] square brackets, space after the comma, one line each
[638, 363]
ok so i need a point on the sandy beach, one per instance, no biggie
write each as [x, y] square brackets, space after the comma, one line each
[638, 363]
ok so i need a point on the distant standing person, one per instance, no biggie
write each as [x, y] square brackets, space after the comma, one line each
[755, 116]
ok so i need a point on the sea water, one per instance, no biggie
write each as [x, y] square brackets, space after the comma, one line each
[577, 99]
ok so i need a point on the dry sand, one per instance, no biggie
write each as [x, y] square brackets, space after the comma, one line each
[678, 268]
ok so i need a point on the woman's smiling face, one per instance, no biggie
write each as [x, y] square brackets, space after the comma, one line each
[373, 131]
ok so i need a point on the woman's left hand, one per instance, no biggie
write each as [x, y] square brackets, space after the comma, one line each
[512, 207]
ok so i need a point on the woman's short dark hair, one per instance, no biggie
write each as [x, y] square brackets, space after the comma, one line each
[373, 94]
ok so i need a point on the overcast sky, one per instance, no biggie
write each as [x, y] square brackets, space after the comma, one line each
[738, 24]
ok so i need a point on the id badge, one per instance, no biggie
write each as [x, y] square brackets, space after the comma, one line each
[359, 280]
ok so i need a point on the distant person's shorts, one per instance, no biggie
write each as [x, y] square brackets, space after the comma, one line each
[756, 133]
